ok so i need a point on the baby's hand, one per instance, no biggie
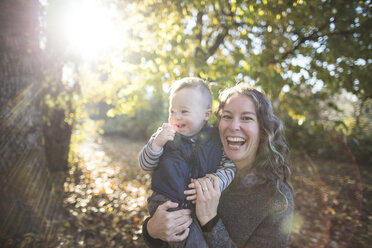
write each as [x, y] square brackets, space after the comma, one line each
[166, 134]
[191, 192]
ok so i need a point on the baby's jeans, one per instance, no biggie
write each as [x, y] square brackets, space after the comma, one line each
[195, 237]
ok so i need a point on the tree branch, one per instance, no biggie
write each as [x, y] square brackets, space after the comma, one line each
[199, 35]
[314, 35]
[221, 36]
[219, 40]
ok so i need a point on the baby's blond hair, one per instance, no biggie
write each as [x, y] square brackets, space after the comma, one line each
[193, 82]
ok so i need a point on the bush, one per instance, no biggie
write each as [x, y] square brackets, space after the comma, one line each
[142, 124]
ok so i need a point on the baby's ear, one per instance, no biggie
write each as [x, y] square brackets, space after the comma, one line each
[208, 114]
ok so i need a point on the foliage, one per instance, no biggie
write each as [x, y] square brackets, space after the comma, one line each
[360, 138]
[298, 52]
[332, 127]
[263, 41]
[141, 125]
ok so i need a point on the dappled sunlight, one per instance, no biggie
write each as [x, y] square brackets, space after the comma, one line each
[105, 195]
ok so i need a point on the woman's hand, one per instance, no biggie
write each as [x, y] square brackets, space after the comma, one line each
[207, 197]
[166, 225]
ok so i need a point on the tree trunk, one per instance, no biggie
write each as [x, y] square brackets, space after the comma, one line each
[25, 186]
[56, 131]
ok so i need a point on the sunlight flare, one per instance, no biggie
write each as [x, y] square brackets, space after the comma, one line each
[91, 28]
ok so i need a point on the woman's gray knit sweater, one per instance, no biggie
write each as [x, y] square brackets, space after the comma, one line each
[253, 214]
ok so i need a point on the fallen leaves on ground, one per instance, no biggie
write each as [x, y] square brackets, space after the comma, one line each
[106, 192]
[105, 195]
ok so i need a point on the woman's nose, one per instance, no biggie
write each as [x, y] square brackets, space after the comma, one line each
[235, 125]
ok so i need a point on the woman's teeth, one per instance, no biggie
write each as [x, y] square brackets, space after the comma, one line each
[235, 142]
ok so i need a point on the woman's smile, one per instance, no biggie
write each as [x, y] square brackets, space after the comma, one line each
[235, 142]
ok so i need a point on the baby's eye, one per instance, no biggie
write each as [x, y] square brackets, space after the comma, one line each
[184, 111]
[171, 111]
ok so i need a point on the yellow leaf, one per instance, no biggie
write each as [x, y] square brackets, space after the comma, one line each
[332, 211]
[179, 38]
[240, 12]
[115, 220]
[203, 75]
[246, 66]
[261, 12]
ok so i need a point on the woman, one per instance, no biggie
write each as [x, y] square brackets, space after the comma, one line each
[256, 210]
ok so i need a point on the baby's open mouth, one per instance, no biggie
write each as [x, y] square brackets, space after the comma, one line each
[180, 126]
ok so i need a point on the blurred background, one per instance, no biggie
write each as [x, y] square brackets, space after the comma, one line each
[83, 85]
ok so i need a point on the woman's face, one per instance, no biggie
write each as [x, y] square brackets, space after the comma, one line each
[239, 130]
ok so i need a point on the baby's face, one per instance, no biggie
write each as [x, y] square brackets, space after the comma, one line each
[188, 111]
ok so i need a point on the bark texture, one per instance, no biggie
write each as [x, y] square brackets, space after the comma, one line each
[25, 190]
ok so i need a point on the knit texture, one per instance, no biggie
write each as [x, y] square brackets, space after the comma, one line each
[253, 214]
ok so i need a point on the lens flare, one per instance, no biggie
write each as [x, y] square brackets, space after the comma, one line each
[90, 28]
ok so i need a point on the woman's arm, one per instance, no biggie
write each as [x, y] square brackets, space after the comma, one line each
[207, 200]
[165, 225]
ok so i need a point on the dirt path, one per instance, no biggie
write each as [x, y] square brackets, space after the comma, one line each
[105, 195]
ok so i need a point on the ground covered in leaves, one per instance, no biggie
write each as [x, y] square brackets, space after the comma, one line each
[105, 195]
[105, 199]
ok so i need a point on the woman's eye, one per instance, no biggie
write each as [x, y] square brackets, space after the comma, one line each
[226, 117]
[247, 118]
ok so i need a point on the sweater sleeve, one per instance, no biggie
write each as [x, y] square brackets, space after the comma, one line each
[218, 237]
[225, 172]
[151, 242]
[147, 158]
